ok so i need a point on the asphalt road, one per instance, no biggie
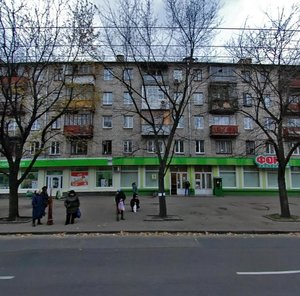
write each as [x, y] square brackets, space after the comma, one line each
[110, 265]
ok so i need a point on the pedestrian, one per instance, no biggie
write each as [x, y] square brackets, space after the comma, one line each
[135, 203]
[187, 188]
[37, 208]
[120, 204]
[45, 197]
[134, 188]
[72, 205]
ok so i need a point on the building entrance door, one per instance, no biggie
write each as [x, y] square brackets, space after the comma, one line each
[177, 182]
[203, 183]
[54, 183]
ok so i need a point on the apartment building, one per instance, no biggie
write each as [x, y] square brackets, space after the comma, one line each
[101, 144]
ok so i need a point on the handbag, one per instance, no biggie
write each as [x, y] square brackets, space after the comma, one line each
[121, 206]
[78, 213]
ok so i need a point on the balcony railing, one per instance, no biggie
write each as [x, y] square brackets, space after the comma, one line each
[78, 130]
[293, 108]
[81, 79]
[291, 132]
[82, 104]
[163, 130]
[224, 131]
[218, 106]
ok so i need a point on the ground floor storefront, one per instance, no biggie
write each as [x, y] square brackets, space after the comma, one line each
[208, 176]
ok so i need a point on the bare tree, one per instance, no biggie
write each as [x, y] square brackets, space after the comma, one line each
[269, 68]
[142, 42]
[37, 40]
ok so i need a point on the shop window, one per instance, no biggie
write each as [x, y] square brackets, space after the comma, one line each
[295, 177]
[151, 177]
[31, 181]
[251, 177]
[4, 183]
[104, 177]
[228, 175]
[272, 180]
[128, 176]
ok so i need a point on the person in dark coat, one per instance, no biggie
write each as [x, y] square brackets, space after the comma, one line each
[120, 204]
[135, 202]
[45, 197]
[37, 208]
[72, 204]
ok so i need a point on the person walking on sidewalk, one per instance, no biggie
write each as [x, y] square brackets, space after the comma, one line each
[45, 197]
[37, 208]
[187, 185]
[120, 204]
[72, 204]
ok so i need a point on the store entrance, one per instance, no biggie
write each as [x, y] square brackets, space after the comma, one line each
[177, 182]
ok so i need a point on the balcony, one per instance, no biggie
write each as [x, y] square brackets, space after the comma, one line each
[7, 109]
[155, 79]
[226, 131]
[83, 79]
[291, 132]
[162, 130]
[219, 106]
[82, 104]
[293, 108]
[84, 131]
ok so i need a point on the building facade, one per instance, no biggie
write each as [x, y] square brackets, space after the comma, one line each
[101, 144]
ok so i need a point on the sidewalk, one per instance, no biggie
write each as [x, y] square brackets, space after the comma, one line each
[185, 214]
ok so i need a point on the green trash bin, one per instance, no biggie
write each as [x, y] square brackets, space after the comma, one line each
[218, 189]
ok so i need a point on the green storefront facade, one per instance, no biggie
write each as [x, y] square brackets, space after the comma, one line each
[237, 175]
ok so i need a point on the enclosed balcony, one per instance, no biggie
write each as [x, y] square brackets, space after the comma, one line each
[84, 131]
[291, 132]
[224, 131]
[293, 108]
[82, 104]
[83, 79]
[10, 110]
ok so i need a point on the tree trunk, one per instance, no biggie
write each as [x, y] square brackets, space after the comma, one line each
[162, 194]
[13, 199]
[283, 197]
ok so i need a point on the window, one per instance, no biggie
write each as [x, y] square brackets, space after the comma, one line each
[270, 149]
[12, 125]
[179, 146]
[36, 125]
[127, 146]
[104, 177]
[181, 122]
[31, 181]
[151, 146]
[199, 146]
[128, 74]
[129, 174]
[197, 75]
[267, 101]
[34, 147]
[107, 147]
[198, 98]
[78, 119]
[272, 179]
[107, 98]
[295, 177]
[79, 147]
[153, 97]
[247, 100]
[58, 74]
[54, 148]
[223, 120]
[107, 74]
[250, 147]
[199, 122]
[251, 177]
[293, 122]
[56, 124]
[246, 76]
[178, 97]
[297, 150]
[128, 121]
[177, 75]
[248, 123]
[151, 176]
[228, 175]
[269, 123]
[264, 76]
[127, 100]
[107, 121]
[223, 147]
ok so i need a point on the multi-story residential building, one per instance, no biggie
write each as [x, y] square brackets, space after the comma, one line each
[101, 144]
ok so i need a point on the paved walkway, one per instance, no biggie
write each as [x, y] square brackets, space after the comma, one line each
[185, 214]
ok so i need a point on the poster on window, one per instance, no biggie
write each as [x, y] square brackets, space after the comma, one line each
[79, 179]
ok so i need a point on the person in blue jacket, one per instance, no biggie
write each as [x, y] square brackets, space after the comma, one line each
[38, 208]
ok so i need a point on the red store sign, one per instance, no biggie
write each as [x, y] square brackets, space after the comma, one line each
[266, 161]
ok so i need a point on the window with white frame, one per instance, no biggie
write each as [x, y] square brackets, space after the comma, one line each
[107, 74]
[78, 119]
[107, 121]
[177, 75]
[269, 123]
[198, 98]
[179, 146]
[223, 120]
[128, 74]
[297, 150]
[181, 122]
[272, 178]
[107, 98]
[34, 147]
[153, 96]
[79, 147]
[223, 147]
[293, 122]
[228, 175]
[248, 123]
[106, 147]
[197, 75]
[199, 122]
[270, 149]
[151, 176]
[251, 177]
[12, 125]
[267, 100]
[127, 121]
[54, 148]
[199, 146]
[36, 125]
[178, 97]
[151, 148]
[250, 147]
[127, 100]
[127, 146]
[56, 124]
[247, 100]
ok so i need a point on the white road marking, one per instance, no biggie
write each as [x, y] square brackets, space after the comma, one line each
[268, 272]
[6, 277]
